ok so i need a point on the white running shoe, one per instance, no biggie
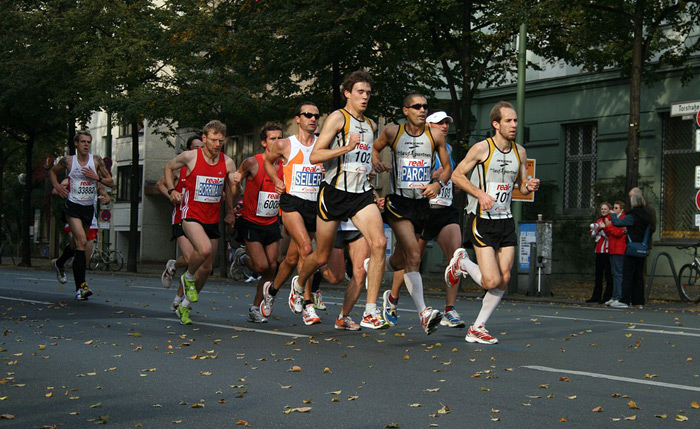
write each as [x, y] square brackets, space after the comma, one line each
[60, 273]
[453, 273]
[166, 278]
[296, 300]
[255, 316]
[430, 319]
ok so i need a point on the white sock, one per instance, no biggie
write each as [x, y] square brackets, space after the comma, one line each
[189, 277]
[414, 284]
[177, 300]
[488, 305]
[370, 308]
[185, 302]
[471, 268]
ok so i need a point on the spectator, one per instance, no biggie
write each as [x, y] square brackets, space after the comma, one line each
[602, 257]
[617, 245]
[638, 219]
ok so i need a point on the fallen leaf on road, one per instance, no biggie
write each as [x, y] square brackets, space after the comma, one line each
[298, 410]
[680, 418]
[564, 379]
[597, 409]
[392, 425]
[242, 423]
[437, 389]
[88, 342]
[695, 404]
[633, 405]
[285, 387]
[307, 401]
[660, 416]
[414, 405]
[631, 418]
[295, 368]
[326, 370]
[6, 416]
[352, 398]
[650, 375]
[572, 397]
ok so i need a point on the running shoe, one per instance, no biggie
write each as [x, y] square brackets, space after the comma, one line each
[374, 321]
[453, 273]
[184, 314]
[480, 335]
[318, 300]
[365, 265]
[85, 292]
[189, 288]
[451, 319]
[296, 300]
[430, 319]
[345, 323]
[167, 277]
[389, 310]
[255, 316]
[310, 316]
[174, 305]
[618, 304]
[60, 273]
[267, 301]
[610, 301]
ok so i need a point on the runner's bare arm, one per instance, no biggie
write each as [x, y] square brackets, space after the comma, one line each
[279, 150]
[103, 196]
[527, 184]
[432, 189]
[331, 127]
[476, 154]
[385, 138]
[105, 177]
[62, 165]
[185, 159]
[233, 189]
[160, 185]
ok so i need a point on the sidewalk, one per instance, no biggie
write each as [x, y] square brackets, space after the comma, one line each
[565, 291]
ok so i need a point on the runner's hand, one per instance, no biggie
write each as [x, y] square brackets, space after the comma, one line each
[175, 197]
[485, 200]
[89, 173]
[230, 219]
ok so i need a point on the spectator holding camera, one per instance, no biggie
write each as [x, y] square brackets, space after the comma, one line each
[602, 257]
[617, 238]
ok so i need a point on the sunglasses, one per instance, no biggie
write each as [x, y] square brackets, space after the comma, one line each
[418, 106]
[310, 115]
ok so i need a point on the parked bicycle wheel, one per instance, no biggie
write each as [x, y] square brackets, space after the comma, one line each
[95, 260]
[690, 282]
[116, 260]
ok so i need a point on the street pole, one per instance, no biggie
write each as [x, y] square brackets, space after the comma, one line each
[520, 138]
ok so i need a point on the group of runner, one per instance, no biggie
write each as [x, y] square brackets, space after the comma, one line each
[320, 185]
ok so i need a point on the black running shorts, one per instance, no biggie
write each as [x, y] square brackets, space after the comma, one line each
[397, 207]
[306, 208]
[334, 204]
[496, 233]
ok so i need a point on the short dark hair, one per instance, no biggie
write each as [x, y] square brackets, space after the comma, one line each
[355, 77]
[297, 110]
[407, 99]
[266, 128]
[495, 114]
[192, 139]
[76, 139]
[622, 204]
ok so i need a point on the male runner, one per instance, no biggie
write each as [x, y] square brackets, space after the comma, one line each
[260, 228]
[193, 143]
[496, 165]
[85, 172]
[209, 170]
[299, 192]
[413, 147]
[441, 224]
[345, 148]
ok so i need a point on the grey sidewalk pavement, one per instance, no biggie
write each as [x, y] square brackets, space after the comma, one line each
[565, 292]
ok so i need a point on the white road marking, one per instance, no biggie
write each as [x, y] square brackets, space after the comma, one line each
[661, 331]
[618, 323]
[239, 328]
[31, 301]
[615, 378]
[36, 279]
[161, 288]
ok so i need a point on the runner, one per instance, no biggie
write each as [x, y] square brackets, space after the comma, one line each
[171, 267]
[345, 148]
[299, 192]
[496, 164]
[413, 147]
[209, 170]
[260, 228]
[69, 251]
[442, 224]
[85, 172]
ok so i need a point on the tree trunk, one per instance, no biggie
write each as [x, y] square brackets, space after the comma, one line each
[71, 136]
[27, 214]
[466, 60]
[134, 199]
[635, 99]
[337, 99]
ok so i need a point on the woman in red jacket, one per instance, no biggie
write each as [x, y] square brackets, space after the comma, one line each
[602, 259]
[617, 237]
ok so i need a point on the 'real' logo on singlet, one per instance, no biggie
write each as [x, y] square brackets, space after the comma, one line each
[208, 189]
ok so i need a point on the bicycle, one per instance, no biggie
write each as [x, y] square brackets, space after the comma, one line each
[110, 260]
[689, 275]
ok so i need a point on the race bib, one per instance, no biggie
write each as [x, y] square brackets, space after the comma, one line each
[306, 179]
[359, 160]
[268, 204]
[503, 193]
[444, 197]
[208, 189]
[83, 190]
[414, 173]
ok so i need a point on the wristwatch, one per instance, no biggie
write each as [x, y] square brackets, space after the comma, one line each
[442, 184]
[170, 191]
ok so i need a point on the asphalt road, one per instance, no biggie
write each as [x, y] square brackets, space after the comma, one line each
[123, 359]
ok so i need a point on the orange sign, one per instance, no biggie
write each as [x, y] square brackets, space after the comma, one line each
[517, 196]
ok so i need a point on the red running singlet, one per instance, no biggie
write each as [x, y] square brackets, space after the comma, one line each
[260, 201]
[203, 190]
